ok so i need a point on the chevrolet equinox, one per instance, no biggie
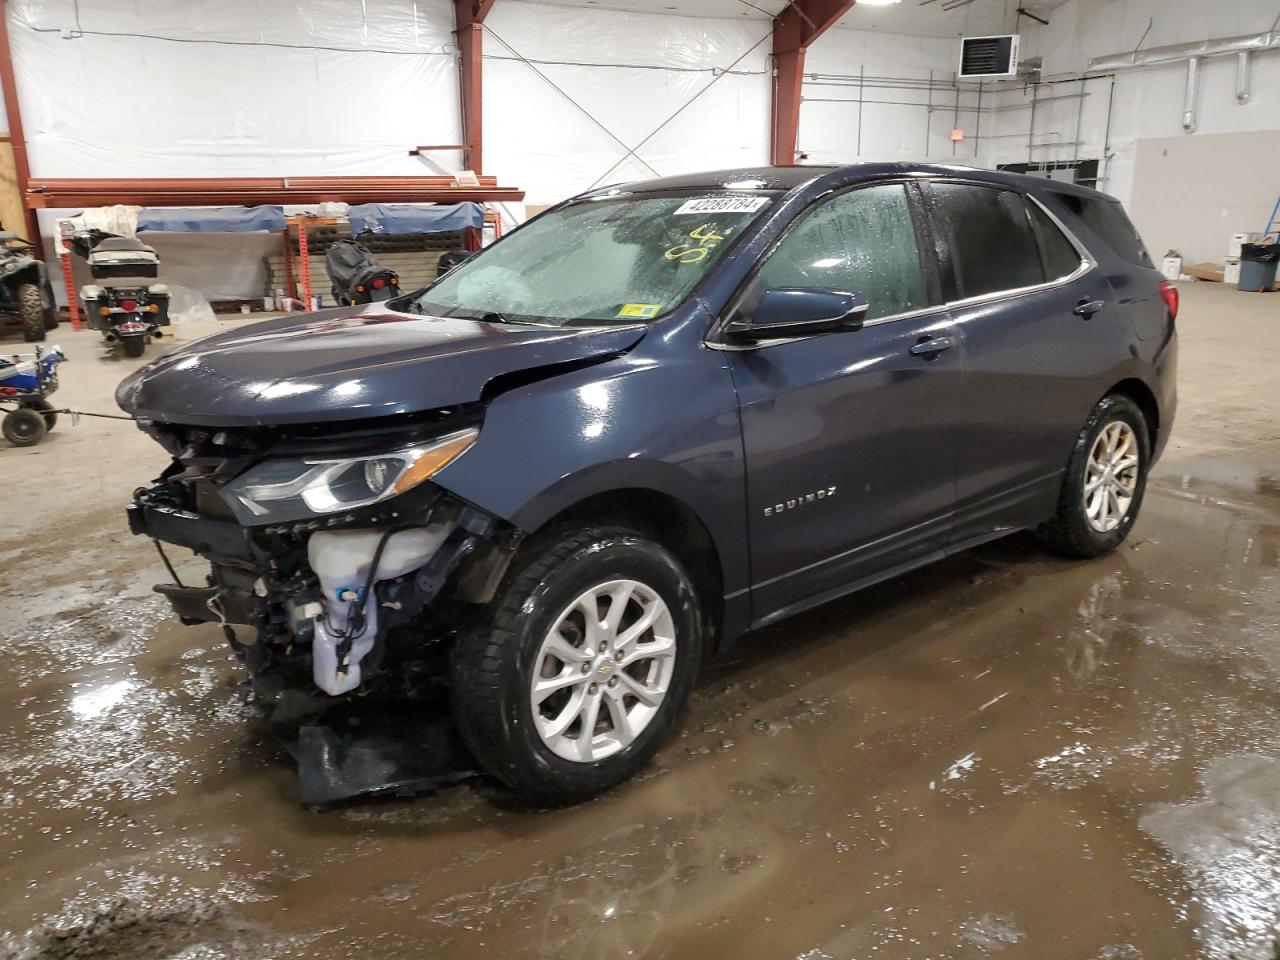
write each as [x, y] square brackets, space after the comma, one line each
[654, 417]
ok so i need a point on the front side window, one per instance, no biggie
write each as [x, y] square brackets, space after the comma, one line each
[992, 246]
[862, 242]
[623, 259]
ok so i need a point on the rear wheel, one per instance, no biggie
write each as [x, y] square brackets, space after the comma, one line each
[1105, 480]
[582, 666]
[31, 310]
[46, 410]
[23, 427]
[134, 344]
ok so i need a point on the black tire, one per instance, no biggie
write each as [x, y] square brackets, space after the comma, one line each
[51, 319]
[31, 311]
[1069, 533]
[493, 663]
[23, 427]
[45, 408]
[134, 345]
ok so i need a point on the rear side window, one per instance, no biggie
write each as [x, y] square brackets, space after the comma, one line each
[863, 242]
[1061, 258]
[1108, 220]
[992, 246]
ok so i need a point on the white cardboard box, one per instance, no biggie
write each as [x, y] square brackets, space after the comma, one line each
[1237, 240]
[1231, 271]
[1171, 267]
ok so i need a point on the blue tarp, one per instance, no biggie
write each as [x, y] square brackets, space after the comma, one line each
[390, 218]
[212, 219]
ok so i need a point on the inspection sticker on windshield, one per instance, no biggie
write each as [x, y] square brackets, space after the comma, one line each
[722, 205]
[645, 311]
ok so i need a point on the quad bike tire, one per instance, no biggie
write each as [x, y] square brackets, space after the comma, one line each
[23, 427]
[31, 312]
[46, 410]
[134, 345]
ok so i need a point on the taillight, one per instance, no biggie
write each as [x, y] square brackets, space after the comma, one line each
[378, 282]
[1169, 293]
[128, 306]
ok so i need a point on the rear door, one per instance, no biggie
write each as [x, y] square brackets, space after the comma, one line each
[1030, 305]
[850, 437]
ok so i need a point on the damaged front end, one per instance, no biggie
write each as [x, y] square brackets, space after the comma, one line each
[349, 565]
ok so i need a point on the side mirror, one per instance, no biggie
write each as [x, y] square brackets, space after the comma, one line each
[799, 312]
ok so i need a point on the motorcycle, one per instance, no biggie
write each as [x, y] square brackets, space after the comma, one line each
[356, 276]
[133, 311]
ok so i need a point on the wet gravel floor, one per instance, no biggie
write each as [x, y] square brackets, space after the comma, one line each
[1001, 754]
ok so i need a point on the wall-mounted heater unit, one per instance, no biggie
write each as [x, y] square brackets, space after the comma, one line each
[982, 58]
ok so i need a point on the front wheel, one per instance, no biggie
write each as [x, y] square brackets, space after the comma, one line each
[582, 666]
[1105, 480]
[134, 344]
[31, 311]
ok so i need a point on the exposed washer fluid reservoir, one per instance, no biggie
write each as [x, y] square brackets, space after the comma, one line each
[341, 560]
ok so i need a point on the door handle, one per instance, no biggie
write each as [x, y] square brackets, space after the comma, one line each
[931, 346]
[1087, 308]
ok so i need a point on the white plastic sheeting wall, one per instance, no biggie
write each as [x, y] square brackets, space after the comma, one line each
[893, 122]
[174, 88]
[569, 91]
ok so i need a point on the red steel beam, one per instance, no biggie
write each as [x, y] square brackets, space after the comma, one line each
[801, 23]
[17, 139]
[468, 17]
[180, 192]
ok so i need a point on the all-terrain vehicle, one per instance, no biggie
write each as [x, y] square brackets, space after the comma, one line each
[26, 380]
[356, 275]
[125, 307]
[24, 287]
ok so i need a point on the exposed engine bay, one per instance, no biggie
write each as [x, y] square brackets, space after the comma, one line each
[350, 569]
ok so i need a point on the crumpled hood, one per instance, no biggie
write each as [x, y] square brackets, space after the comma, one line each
[355, 362]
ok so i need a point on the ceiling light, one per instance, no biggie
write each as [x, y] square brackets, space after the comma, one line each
[876, 3]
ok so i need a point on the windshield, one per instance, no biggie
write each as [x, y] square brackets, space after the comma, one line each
[612, 260]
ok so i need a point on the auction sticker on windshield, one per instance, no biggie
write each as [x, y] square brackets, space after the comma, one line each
[722, 205]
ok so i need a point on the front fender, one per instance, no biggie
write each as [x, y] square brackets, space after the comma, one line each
[667, 424]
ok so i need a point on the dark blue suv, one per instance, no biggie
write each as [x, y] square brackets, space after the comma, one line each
[654, 417]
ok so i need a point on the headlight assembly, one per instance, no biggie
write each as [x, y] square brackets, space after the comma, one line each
[291, 489]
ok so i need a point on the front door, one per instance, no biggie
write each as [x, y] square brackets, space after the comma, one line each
[850, 437]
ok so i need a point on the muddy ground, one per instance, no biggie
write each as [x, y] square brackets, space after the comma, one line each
[1002, 754]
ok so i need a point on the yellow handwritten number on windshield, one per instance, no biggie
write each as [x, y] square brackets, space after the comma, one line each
[707, 239]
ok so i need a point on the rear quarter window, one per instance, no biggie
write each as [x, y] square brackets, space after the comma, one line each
[1107, 219]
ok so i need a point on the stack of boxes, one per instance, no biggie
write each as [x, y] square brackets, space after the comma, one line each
[1231, 269]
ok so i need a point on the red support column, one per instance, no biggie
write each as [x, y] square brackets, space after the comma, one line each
[469, 21]
[73, 298]
[801, 23]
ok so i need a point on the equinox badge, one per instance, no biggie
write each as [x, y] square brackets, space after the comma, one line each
[800, 501]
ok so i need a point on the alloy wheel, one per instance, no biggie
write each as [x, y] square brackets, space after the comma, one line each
[603, 670]
[1111, 476]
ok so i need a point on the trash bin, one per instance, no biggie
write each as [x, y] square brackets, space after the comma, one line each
[1258, 263]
